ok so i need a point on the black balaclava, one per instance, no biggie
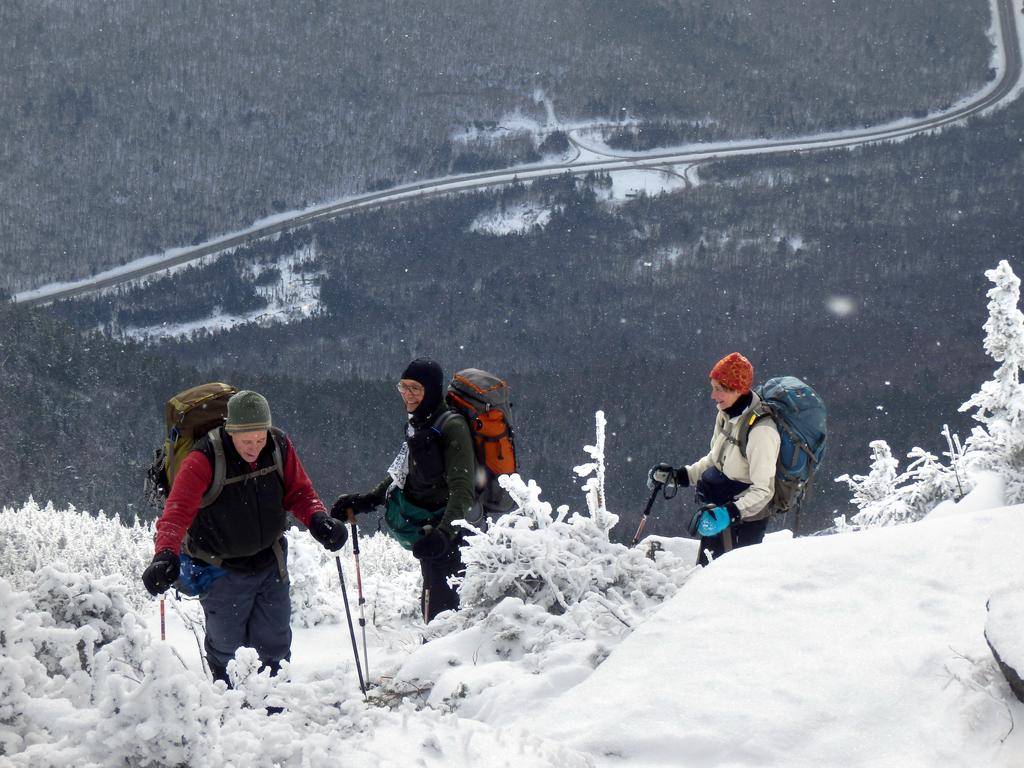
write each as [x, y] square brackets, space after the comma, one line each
[429, 374]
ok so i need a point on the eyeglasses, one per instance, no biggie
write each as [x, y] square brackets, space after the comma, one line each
[410, 389]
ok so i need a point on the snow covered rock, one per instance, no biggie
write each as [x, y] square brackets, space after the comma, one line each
[1004, 631]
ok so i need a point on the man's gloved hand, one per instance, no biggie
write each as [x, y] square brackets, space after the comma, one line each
[330, 532]
[359, 503]
[660, 474]
[434, 543]
[162, 572]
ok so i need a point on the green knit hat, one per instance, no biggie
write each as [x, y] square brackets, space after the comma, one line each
[247, 412]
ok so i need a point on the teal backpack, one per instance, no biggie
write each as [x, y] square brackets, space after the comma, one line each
[800, 415]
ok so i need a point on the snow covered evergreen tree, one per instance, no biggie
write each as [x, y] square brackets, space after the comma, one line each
[875, 494]
[998, 443]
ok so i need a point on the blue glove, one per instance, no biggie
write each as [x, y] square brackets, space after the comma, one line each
[713, 521]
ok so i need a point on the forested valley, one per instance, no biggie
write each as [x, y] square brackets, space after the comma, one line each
[858, 270]
[132, 127]
[625, 307]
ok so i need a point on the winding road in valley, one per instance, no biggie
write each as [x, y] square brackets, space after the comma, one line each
[588, 159]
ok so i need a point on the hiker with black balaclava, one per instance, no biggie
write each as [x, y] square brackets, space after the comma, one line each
[232, 547]
[734, 484]
[429, 486]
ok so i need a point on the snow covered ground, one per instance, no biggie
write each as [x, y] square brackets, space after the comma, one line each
[861, 649]
[858, 649]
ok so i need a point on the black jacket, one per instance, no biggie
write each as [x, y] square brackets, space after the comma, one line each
[248, 516]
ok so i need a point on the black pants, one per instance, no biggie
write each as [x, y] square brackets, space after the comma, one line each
[437, 595]
[743, 535]
[714, 487]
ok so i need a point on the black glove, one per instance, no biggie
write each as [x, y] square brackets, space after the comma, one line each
[330, 532]
[359, 503]
[734, 513]
[162, 572]
[660, 474]
[433, 544]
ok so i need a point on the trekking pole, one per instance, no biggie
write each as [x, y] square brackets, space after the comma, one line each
[359, 586]
[646, 514]
[351, 629]
[163, 622]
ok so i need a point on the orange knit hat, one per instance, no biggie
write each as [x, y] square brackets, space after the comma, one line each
[735, 372]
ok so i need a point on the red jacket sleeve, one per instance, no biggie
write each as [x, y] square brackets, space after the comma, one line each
[299, 497]
[194, 476]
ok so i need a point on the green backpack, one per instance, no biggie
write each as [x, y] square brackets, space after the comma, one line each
[188, 416]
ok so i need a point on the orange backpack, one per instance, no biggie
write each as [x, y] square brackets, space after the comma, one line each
[484, 400]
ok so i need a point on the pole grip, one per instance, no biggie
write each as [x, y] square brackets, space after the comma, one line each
[355, 532]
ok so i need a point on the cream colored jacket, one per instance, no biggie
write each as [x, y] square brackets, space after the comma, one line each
[758, 468]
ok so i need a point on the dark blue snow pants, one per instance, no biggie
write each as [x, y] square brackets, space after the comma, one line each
[251, 611]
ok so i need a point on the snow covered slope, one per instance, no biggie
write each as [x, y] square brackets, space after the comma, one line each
[862, 649]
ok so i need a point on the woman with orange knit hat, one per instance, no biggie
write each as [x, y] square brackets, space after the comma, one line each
[733, 486]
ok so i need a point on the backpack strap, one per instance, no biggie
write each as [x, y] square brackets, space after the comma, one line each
[748, 421]
[220, 468]
[444, 418]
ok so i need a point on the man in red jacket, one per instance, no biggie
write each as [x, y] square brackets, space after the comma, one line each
[227, 512]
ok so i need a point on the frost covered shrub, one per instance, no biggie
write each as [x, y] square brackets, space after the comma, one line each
[63, 621]
[133, 703]
[40, 661]
[89, 608]
[996, 445]
[390, 578]
[22, 675]
[545, 591]
[559, 560]
[886, 497]
[309, 569]
[150, 709]
[33, 537]
[75, 599]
